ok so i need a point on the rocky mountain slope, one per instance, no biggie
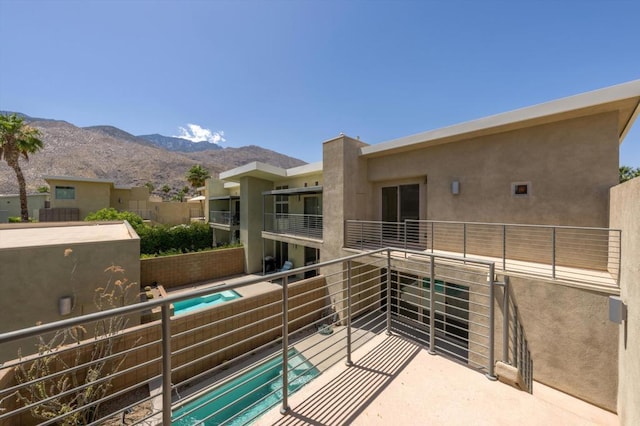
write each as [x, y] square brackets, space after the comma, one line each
[106, 152]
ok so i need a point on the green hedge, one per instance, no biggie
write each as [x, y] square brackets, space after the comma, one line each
[162, 239]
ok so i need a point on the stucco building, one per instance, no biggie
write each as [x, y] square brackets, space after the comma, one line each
[528, 188]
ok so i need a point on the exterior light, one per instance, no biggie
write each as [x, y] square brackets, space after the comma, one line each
[455, 187]
[64, 305]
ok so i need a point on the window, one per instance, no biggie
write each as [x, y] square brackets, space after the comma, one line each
[65, 193]
[521, 189]
[282, 201]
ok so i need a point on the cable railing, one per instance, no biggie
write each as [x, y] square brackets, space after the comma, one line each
[301, 225]
[224, 217]
[238, 358]
[578, 254]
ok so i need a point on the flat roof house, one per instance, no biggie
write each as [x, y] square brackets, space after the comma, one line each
[528, 188]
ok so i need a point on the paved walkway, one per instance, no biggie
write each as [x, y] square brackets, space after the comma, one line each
[396, 382]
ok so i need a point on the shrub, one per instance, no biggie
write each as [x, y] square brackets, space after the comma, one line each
[175, 239]
[134, 220]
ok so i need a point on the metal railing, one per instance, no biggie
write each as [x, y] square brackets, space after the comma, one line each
[579, 254]
[301, 225]
[515, 346]
[224, 217]
[323, 319]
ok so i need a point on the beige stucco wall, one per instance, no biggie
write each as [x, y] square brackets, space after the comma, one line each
[170, 212]
[90, 196]
[37, 277]
[251, 220]
[573, 344]
[570, 164]
[625, 214]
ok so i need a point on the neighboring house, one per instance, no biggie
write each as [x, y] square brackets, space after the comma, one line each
[10, 205]
[77, 197]
[51, 271]
[550, 165]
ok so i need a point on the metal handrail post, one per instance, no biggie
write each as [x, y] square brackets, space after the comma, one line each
[388, 292]
[504, 247]
[553, 252]
[361, 236]
[515, 336]
[285, 346]
[492, 334]
[432, 307]
[464, 240]
[505, 321]
[166, 363]
[349, 363]
[405, 238]
[432, 237]
[619, 256]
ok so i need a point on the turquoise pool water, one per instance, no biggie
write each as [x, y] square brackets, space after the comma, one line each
[243, 399]
[190, 305]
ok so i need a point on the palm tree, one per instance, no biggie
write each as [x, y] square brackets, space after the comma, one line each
[16, 139]
[197, 175]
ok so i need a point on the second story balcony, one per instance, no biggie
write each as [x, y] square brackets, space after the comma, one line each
[299, 225]
[294, 212]
[224, 211]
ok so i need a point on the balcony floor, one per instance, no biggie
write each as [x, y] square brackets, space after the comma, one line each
[396, 381]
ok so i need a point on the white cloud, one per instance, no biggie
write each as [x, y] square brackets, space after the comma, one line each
[196, 133]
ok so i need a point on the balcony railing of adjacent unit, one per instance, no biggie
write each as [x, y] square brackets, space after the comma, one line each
[301, 225]
[224, 217]
[300, 327]
[580, 254]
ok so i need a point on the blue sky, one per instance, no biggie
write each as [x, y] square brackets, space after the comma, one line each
[287, 75]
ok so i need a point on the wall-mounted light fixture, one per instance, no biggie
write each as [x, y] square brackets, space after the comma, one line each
[617, 310]
[64, 305]
[455, 187]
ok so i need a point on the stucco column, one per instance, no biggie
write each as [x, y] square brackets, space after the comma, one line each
[251, 190]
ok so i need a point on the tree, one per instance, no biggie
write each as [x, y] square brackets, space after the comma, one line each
[197, 175]
[628, 173]
[18, 139]
[150, 186]
[110, 213]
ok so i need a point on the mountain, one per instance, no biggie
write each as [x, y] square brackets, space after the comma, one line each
[106, 152]
[172, 143]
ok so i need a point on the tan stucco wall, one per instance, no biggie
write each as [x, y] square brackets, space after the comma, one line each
[251, 220]
[170, 212]
[90, 196]
[570, 164]
[625, 215]
[37, 277]
[573, 344]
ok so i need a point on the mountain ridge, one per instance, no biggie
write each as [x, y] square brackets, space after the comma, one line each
[107, 152]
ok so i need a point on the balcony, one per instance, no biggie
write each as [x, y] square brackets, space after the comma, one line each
[298, 225]
[225, 218]
[368, 312]
[571, 254]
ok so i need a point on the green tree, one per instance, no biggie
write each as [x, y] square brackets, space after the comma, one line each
[197, 175]
[44, 189]
[150, 186]
[628, 173]
[18, 139]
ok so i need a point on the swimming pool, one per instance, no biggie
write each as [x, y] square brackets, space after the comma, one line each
[243, 399]
[190, 305]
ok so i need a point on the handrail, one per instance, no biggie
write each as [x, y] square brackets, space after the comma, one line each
[351, 296]
[569, 253]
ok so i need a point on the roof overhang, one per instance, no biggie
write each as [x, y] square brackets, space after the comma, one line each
[295, 191]
[623, 98]
[224, 197]
[77, 179]
[269, 172]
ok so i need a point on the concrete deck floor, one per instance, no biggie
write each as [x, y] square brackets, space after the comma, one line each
[395, 381]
